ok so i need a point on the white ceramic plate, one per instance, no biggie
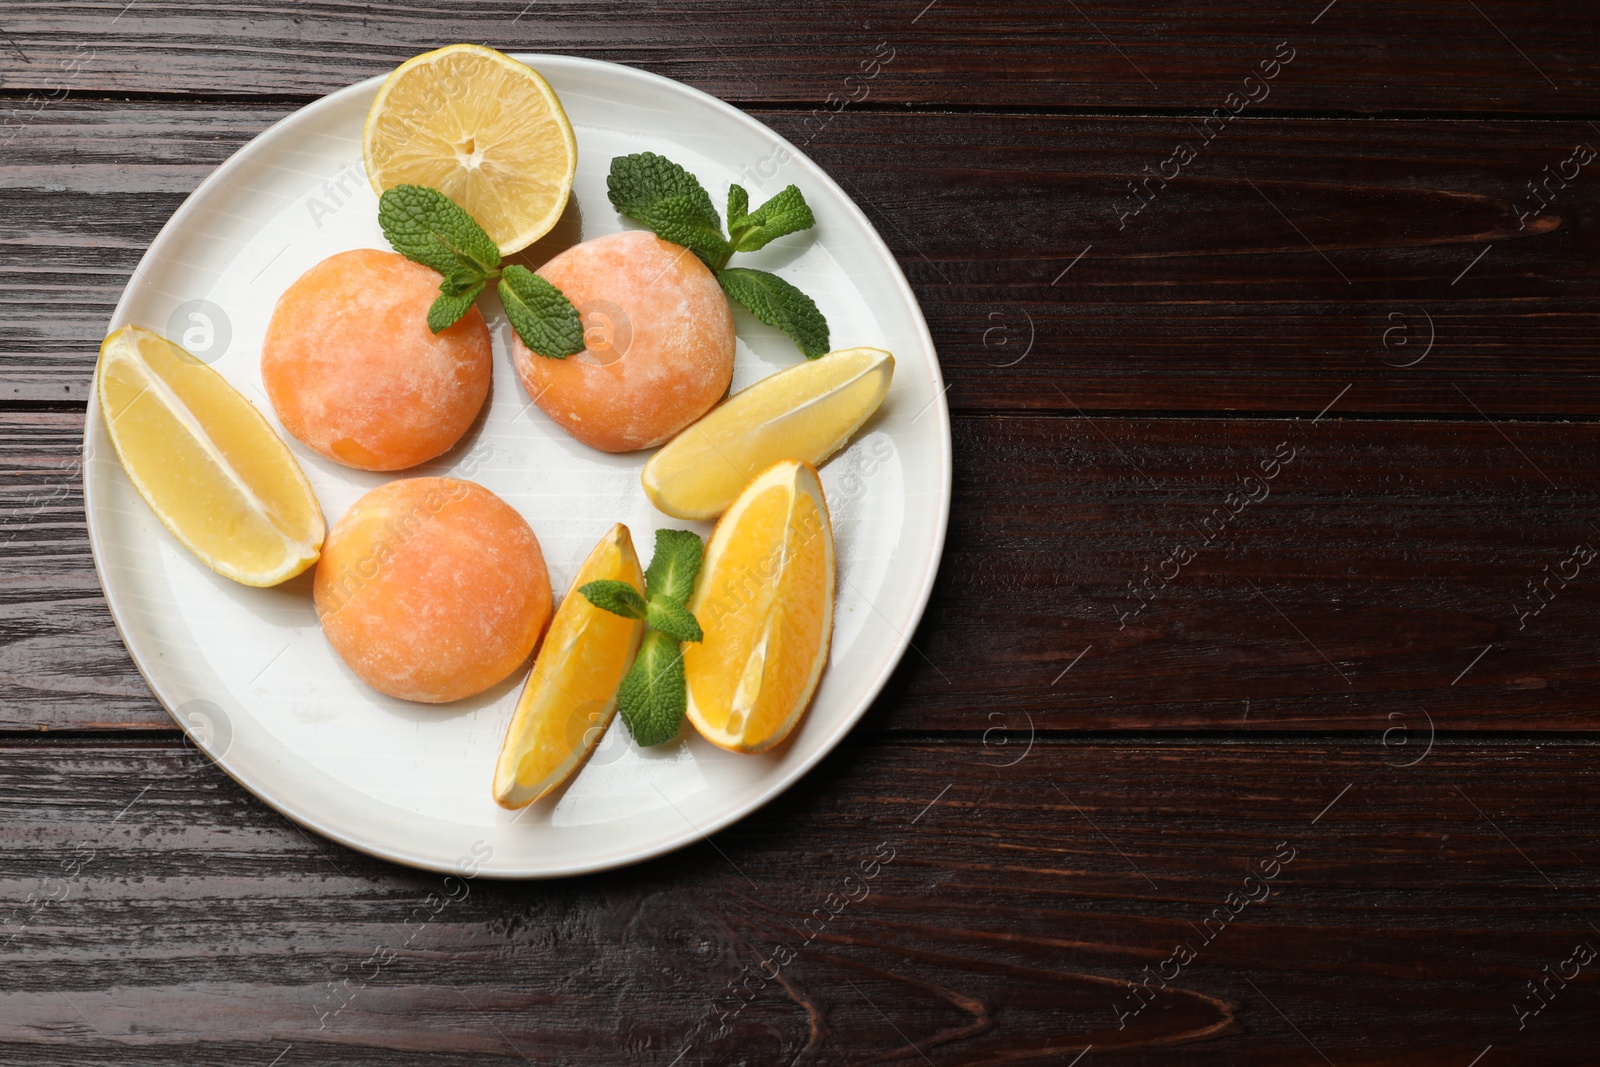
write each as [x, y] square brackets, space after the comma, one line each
[247, 671]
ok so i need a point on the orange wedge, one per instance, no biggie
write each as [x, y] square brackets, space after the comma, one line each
[206, 461]
[571, 695]
[765, 603]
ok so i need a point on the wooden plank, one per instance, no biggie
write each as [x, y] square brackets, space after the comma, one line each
[922, 897]
[1359, 590]
[1208, 300]
[1416, 55]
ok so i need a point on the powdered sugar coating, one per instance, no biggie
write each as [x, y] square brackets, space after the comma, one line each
[354, 372]
[660, 338]
[432, 589]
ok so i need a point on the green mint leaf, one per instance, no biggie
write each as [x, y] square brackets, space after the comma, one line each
[541, 314]
[784, 214]
[461, 281]
[619, 598]
[449, 307]
[653, 695]
[674, 566]
[679, 219]
[428, 227]
[738, 207]
[777, 303]
[670, 617]
[637, 183]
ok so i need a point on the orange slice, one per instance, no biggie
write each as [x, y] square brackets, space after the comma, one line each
[571, 695]
[206, 461]
[765, 603]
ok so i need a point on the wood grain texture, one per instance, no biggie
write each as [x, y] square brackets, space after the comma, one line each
[1208, 300]
[1418, 55]
[1354, 589]
[1397, 916]
[1100, 754]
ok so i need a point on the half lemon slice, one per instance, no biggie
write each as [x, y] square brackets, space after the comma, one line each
[764, 601]
[484, 130]
[206, 461]
[806, 412]
[571, 695]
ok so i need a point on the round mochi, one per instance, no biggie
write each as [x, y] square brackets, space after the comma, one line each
[432, 589]
[660, 343]
[354, 372]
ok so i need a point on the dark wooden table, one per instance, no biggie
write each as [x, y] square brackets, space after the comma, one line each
[1199, 765]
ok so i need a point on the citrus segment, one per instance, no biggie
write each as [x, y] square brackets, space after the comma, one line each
[765, 604]
[206, 461]
[482, 128]
[572, 693]
[806, 412]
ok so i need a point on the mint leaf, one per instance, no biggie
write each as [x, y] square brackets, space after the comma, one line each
[449, 307]
[670, 617]
[540, 313]
[777, 303]
[784, 214]
[619, 598]
[738, 207]
[653, 695]
[675, 565]
[680, 220]
[428, 227]
[637, 183]
[461, 281]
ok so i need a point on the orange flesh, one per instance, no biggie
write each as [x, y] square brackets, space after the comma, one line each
[354, 372]
[660, 343]
[741, 609]
[432, 589]
[571, 693]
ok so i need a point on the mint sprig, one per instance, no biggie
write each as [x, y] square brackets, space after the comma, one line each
[429, 228]
[676, 207]
[654, 696]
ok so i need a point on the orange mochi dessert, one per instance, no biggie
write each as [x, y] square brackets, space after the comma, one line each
[659, 339]
[354, 372]
[432, 589]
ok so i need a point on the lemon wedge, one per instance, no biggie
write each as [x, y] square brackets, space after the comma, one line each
[571, 695]
[483, 129]
[206, 461]
[806, 413]
[764, 601]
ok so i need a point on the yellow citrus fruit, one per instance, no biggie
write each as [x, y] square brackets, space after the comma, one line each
[572, 693]
[483, 129]
[206, 461]
[806, 412]
[765, 603]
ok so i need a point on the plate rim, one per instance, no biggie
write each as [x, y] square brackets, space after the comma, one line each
[299, 814]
